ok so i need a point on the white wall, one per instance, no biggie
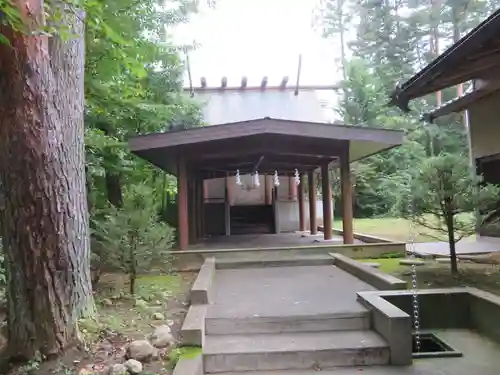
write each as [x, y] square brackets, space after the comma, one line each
[484, 120]
[289, 214]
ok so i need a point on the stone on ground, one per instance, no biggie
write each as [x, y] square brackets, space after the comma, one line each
[162, 337]
[118, 369]
[158, 316]
[140, 350]
[411, 262]
[372, 264]
[133, 366]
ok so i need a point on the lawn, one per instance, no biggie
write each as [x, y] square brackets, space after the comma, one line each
[396, 229]
[438, 275]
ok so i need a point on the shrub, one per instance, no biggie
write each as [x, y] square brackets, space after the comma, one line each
[131, 239]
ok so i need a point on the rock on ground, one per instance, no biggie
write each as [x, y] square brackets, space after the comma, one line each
[140, 350]
[410, 262]
[118, 369]
[158, 316]
[133, 366]
[162, 337]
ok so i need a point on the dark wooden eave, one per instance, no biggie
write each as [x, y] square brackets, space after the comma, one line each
[474, 56]
[461, 103]
[264, 144]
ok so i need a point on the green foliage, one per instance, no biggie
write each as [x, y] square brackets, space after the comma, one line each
[131, 239]
[185, 352]
[443, 195]
[3, 276]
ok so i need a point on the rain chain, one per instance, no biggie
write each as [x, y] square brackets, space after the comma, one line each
[276, 179]
[297, 177]
[256, 179]
[238, 178]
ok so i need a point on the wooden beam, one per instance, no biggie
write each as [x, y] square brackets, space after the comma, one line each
[182, 206]
[346, 191]
[263, 83]
[284, 82]
[326, 191]
[313, 225]
[302, 215]
[204, 89]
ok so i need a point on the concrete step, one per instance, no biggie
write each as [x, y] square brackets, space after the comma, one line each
[310, 260]
[374, 370]
[287, 351]
[347, 321]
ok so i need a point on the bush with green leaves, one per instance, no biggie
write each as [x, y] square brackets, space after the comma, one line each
[132, 239]
[442, 194]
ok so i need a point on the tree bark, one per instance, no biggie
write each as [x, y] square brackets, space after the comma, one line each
[43, 194]
[451, 236]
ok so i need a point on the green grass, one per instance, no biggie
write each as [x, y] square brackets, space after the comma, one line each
[184, 352]
[387, 265]
[396, 229]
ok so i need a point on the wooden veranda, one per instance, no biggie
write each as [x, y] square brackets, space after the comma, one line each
[268, 146]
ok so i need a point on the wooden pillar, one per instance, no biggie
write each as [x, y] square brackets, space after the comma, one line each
[182, 206]
[202, 208]
[230, 184]
[302, 217]
[313, 225]
[227, 213]
[268, 190]
[292, 188]
[277, 224]
[192, 209]
[326, 190]
[346, 190]
[205, 190]
[199, 207]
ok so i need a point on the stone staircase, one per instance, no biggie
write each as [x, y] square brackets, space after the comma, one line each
[291, 343]
[296, 315]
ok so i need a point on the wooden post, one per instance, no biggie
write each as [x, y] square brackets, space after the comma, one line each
[182, 206]
[268, 190]
[227, 205]
[202, 208]
[192, 209]
[292, 188]
[346, 190]
[302, 218]
[276, 211]
[205, 190]
[313, 225]
[199, 208]
[327, 202]
[230, 183]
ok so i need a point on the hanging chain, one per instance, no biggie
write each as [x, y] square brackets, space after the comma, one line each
[414, 285]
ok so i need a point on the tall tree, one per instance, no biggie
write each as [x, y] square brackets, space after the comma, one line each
[44, 208]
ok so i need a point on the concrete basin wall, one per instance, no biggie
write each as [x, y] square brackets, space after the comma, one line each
[450, 308]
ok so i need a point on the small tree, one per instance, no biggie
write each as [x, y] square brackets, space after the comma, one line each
[443, 195]
[132, 238]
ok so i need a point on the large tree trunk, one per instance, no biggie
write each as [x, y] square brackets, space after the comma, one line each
[43, 207]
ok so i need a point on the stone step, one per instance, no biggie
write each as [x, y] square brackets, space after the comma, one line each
[312, 260]
[374, 370]
[287, 351]
[348, 321]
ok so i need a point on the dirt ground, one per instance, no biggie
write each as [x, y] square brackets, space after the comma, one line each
[159, 300]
